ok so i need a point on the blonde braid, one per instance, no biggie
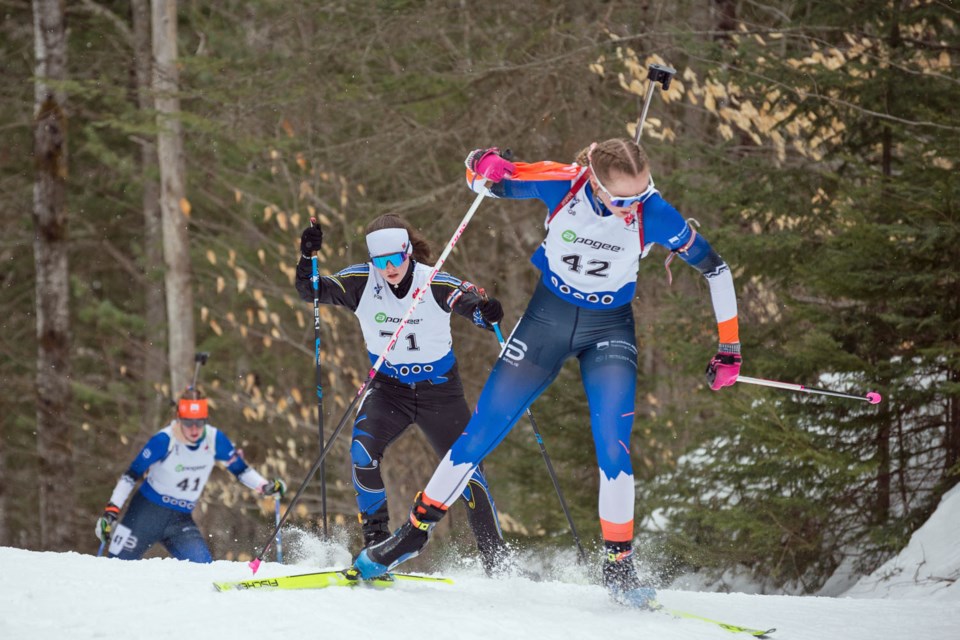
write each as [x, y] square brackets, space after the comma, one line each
[616, 154]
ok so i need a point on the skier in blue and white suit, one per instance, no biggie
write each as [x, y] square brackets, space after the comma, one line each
[419, 382]
[603, 215]
[177, 462]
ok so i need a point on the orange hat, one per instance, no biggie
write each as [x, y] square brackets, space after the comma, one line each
[192, 409]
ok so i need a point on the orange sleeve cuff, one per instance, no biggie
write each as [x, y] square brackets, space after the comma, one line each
[729, 330]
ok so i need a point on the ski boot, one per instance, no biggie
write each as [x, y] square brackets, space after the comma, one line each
[495, 558]
[375, 526]
[620, 578]
[405, 543]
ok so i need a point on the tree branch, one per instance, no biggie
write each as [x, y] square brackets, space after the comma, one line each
[119, 23]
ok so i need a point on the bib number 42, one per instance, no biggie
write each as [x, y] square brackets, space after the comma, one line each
[596, 268]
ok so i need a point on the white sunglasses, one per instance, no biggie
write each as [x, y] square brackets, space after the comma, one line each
[625, 201]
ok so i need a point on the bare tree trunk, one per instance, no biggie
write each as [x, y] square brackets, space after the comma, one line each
[173, 203]
[54, 442]
[884, 462]
[4, 480]
[154, 360]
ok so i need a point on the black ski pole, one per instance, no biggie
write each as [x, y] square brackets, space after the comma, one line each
[315, 279]
[581, 555]
[199, 359]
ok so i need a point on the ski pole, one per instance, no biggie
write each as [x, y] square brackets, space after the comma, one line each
[315, 279]
[200, 359]
[656, 74]
[872, 397]
[417, 296]
[581, 555]
[276, 511]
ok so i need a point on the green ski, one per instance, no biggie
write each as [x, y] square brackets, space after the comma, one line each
[323, 579]
[732, 628]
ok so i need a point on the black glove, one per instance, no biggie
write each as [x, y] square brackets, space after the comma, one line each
[278, 486]
[105, 522]
[310, 241]
[491, 310]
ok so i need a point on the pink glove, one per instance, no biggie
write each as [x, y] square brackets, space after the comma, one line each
[490, 164]
[723, 369]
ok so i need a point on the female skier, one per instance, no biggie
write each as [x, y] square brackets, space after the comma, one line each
[603, 215]
[419, 382]
[179, 459]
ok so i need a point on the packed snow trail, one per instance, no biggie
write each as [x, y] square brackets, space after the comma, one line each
[69, 595]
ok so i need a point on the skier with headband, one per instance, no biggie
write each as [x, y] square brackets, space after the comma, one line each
[419, 381]
[603, 215]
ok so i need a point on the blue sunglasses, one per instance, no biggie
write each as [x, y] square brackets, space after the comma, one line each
[396, 259]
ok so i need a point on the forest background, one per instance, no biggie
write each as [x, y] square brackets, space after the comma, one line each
[816, 143]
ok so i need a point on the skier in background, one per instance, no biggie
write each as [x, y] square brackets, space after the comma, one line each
[419, 382]
[177, 462]
[603, 215]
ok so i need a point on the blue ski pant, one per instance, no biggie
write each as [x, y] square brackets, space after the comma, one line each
[550, 332]
[146, 524]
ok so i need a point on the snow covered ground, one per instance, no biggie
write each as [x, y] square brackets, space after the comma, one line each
[75, 596]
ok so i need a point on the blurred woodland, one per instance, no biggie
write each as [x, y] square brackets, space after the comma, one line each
[170, 152]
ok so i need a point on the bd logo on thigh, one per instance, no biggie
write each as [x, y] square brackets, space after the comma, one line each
[123, 539]
[514, 350]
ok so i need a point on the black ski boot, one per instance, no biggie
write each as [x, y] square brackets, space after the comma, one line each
[375, 526]
[621, 580]
[495, 558]
[405, 543]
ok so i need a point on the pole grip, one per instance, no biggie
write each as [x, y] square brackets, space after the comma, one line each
[657, 74]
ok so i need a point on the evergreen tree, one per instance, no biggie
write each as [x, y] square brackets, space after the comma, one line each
[838, 199]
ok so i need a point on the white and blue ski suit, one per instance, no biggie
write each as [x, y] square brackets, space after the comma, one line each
[162, 510]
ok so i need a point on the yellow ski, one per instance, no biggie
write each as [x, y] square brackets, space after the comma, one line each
[323, 579]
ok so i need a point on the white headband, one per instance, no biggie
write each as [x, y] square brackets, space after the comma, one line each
[386, 241]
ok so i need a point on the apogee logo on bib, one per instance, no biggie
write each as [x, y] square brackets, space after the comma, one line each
[571, 237]
[381, 317]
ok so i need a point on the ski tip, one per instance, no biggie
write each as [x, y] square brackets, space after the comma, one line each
[874, 398]
[254, 565]
[221, 586]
